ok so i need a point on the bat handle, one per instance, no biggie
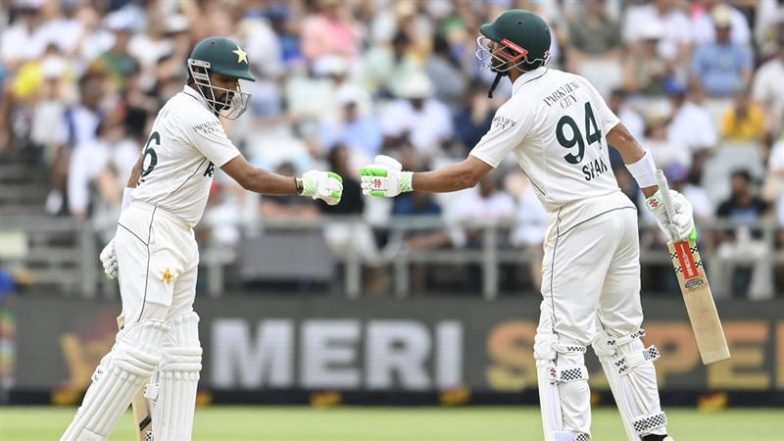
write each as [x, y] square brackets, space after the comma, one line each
[664, 188]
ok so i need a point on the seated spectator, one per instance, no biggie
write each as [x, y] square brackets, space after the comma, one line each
[702, 28]
[691, 125]
[644, 70]
[386, 68]
[595, 46]
[475, 116]
[665, 150]
[118, 61]
[486, 204]
[773, 190]
[361, 133]
[665, 15]
[744, 121]
[742, 245]
[722, 67]
[444, 71]
[356, 239]
[768, 87]
[331, 31]
[416, 118]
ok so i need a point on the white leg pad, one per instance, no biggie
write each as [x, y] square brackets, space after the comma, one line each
[177, 380]
[116, 379]
[629, 368]
[564, 395]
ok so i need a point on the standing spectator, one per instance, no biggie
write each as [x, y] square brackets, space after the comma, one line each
[744, 121]
[742, 244]
[722, 67]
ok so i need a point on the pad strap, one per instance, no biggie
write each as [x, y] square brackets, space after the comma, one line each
[648, 423]
[564, 375]
[633, 359]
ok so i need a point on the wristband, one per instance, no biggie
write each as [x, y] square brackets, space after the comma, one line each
[300, 185]
[126, 199]
[644, 171]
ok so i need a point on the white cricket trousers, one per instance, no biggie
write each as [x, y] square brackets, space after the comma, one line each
[591, 269]
[158, 261]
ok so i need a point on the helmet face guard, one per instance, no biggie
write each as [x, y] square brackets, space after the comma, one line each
[506, 56]
[228, 103]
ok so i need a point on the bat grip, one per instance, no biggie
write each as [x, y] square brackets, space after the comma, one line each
[664, 188]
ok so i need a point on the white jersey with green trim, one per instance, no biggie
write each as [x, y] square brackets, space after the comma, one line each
[186, 144]
[555, 123]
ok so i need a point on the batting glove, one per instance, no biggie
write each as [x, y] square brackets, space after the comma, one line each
[385, 178]
[327, 186]
[681, 226]
[109, 260]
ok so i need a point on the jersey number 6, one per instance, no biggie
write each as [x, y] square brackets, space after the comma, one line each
[591, 130]
[150, 159]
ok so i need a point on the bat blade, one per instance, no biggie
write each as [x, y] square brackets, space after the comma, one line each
[141, 408]
[698, 297]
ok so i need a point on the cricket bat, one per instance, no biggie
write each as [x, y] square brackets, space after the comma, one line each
[696, 292]
[142, 412]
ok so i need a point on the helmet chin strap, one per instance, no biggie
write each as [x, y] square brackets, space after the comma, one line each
[496, 80]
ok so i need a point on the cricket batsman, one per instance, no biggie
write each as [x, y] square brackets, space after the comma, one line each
[559, 128]
[154, 253]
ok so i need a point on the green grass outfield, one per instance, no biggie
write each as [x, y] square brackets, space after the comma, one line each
[229, 423]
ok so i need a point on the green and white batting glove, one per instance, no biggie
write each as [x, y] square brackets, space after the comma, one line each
[681, 226]
[385, 178]
[327, 186]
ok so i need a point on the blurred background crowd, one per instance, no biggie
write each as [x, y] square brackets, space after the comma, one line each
[700, 83]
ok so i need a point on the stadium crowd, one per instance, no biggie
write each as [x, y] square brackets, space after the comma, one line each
[700, 83]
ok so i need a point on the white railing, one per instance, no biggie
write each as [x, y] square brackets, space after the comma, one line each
[62, 253]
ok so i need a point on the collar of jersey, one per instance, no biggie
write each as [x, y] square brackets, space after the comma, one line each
[528, 77]
[188, 90]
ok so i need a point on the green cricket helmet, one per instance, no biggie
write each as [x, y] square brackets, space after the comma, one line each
[521, 38]
[223, 56]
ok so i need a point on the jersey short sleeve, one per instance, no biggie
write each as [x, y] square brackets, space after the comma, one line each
[607, 118]
[506, 133]
[208, 136]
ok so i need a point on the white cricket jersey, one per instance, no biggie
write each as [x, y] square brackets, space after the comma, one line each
[186, 144]
[555, 123]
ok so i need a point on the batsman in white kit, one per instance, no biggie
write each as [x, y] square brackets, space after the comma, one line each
[154, 253]
[559, 128]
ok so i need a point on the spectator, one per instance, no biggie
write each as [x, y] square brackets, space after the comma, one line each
[331, 31]
[703, 30]
[768, 88]
[361, 134]
[742, 244]
[644, 70]
[665, 150]
[25, 39]
[387, 68]
[487, 204]
[744, 121]
[691, 126]
[530, 226]
[444, 72]
[675, 39]
[416, 118]
[773, 190]
[474, 118]
[722, 67]
[596, 46]
[117, 61]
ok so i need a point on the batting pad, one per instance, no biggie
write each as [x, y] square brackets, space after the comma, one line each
[177, 380]
[629, 368]
[116, 379]
[564, 395]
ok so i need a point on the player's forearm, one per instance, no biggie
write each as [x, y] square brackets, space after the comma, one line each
[136, 173]
[264, 182]
[453, 177]
[632, 153]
